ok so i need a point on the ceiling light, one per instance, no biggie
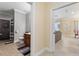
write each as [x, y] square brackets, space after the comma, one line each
[72, 12]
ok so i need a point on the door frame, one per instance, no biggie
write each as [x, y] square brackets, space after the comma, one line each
[52, 36]
[33, 6]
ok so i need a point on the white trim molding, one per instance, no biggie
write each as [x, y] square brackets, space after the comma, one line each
[20, 11]
[41, 52]
[33, 28]
[52, 38]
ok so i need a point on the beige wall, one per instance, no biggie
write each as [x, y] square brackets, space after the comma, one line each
[67, 27]
[39, 25]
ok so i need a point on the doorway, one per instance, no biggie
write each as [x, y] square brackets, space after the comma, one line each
[6, 26]
[4, 29]
[68, 19]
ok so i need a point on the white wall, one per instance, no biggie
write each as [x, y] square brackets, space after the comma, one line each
[6, 14]
[19, 25]
[28, 22]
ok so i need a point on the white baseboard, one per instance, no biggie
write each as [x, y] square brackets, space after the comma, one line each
[16, 41]
[49, 50]
[41, 51]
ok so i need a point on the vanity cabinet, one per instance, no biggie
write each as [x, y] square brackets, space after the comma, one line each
[27, 38]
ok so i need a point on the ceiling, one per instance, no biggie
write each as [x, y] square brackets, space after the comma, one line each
[22, 6]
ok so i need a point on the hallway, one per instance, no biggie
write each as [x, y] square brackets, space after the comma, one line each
[66, 47]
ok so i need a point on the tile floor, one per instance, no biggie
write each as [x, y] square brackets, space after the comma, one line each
[9, 49]
[66, 47]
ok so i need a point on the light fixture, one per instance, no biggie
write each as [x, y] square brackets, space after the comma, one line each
[72, 12]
